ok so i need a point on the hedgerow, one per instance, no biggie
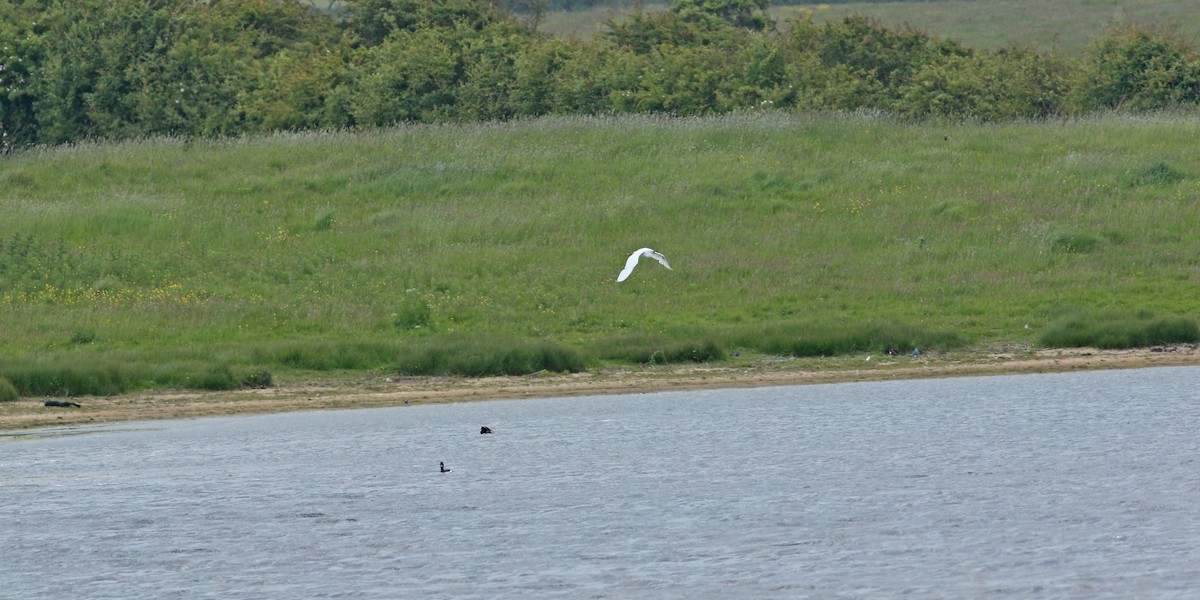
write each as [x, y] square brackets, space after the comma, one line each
[131, 68]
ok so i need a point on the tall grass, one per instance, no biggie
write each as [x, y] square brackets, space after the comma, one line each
[839, 339]
[1119, 329]
[8, 392]
[647, 349]
[53, 376]
[792, 234]
[491, 355]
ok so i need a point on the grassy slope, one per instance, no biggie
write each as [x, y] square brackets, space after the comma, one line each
[1065, 26]
[229, 249]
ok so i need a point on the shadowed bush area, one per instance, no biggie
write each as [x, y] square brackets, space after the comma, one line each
[1115, 329]
[644, 349]
[488, 355]
[125, 69]
[8, 392]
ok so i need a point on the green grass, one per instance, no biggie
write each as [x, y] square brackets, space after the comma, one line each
[74, 375]
[1119, 329]
[1063, 26]
[161, 262]
[8, 392]
[488, 355]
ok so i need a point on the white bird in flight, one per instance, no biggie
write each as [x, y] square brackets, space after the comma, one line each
[632, 262]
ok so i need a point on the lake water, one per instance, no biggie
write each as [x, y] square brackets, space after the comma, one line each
[1035, 486]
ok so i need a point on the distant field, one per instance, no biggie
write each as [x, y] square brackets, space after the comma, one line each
[1065, 26]
[342, 251]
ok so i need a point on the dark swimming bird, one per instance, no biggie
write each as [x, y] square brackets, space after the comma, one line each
[443, 466]
[485, 429]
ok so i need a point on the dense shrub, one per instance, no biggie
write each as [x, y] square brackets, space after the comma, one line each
[748, 14]
[21, 50]
[1138, 68]
[865, 49]
[595, 81]
[1008, 84]
[411, 76]
[129, 68]
[373, 21]
[683, 81]
[302, 89]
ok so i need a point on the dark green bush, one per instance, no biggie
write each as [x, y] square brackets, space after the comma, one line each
[1008, 84]
[373, 21]
[117, 69]
[1138, 68]
[22, 52]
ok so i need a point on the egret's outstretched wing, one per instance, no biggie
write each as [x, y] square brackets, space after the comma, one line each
[632, 262]
[660, 258]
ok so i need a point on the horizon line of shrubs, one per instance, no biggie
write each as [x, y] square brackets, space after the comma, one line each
[120, 69]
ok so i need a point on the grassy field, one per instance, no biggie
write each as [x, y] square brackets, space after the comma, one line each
[215, 264]
[1063, 26]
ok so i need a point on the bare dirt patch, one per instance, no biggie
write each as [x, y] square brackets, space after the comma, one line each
[399, 391]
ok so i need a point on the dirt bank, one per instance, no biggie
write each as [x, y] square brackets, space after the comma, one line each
[392, 391]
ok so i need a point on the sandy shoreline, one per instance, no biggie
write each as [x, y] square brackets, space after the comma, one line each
[383, 391]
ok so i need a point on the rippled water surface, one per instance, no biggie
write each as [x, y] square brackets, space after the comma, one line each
[1038, 486]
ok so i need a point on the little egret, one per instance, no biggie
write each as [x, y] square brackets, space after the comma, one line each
[632, 262]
